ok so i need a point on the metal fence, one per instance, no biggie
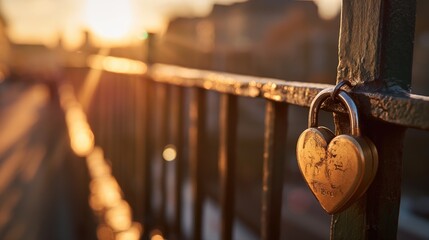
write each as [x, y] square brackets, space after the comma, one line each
[375, 54]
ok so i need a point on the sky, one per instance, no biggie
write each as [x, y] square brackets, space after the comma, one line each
[112, 21]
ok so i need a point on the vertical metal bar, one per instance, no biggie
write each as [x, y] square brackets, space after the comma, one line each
[148, 142]
[116, 159]
[375, 53]
[97, 110]
[111, 98]
[139, 153]
[148, 153]
[164, 99]
[177, 132]
[274, 156]
[132, 118]
[227, 161]
[122, 128]
[196, 142]
[127, 119]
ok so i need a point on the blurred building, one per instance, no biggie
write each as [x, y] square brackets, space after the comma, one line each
[28, 61]
[282, 39]
[35, 62]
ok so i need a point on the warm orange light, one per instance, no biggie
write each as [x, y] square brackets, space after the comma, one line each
[106, 195]
[100, 169]
[97, 165]
[109, 20]
[107, 190]
[104, 233]
[169, 153]
[133, 233]
[95, 203]
[119, 217]
[116, 64]
[156, 235]
[82, 141]
[81, 136]
[328, 8]
[95, 158]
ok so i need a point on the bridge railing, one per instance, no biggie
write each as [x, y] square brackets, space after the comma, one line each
[169, 109]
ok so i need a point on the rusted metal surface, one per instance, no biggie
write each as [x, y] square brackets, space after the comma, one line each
[397, 107]
[375, 53]
[196, 158]
[227, 161]
[274, 156]
[360, 45]
[383, 38]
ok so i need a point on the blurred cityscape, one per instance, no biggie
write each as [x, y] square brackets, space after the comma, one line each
[287, 40]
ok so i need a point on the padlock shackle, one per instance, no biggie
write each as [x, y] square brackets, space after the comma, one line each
[345, 99]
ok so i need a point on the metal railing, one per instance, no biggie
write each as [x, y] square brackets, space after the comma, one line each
[162, 93]
[158, 104]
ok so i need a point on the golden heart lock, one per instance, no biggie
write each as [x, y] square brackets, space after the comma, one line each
[337, 169]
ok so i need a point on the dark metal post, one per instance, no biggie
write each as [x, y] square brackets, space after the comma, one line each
[196, 142]
[150, 49]
[148, 153]
[164, 107]
[375, 53]
[274, 157]
[177, 135]
[139, 151]
[148, 90]
[228, 136]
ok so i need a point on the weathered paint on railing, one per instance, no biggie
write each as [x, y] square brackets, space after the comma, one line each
[399, 108]
[375, 53]
[391, 104]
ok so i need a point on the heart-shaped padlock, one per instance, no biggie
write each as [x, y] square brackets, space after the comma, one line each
[338, 169]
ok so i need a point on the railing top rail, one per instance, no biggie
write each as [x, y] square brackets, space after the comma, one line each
[401, 109]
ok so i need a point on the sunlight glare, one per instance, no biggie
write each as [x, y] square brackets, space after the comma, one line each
[107, 191]
[156, 235]
[119, 217]
[133, 233]
[104, 233]
[110, 20]
[116, 64]
[328, 9]
[82, 141]
[169, 153]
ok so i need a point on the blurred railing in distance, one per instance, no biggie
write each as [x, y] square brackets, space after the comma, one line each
[106, 200]
[116, 65]
[139, 120]
[182, 144]
[284, 40]
[141, 123]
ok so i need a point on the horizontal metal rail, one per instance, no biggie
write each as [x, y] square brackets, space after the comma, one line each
[406, 110]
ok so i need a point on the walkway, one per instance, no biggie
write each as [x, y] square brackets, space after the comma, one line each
[42, 184]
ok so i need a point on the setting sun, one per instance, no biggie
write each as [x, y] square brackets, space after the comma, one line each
[109, 20]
